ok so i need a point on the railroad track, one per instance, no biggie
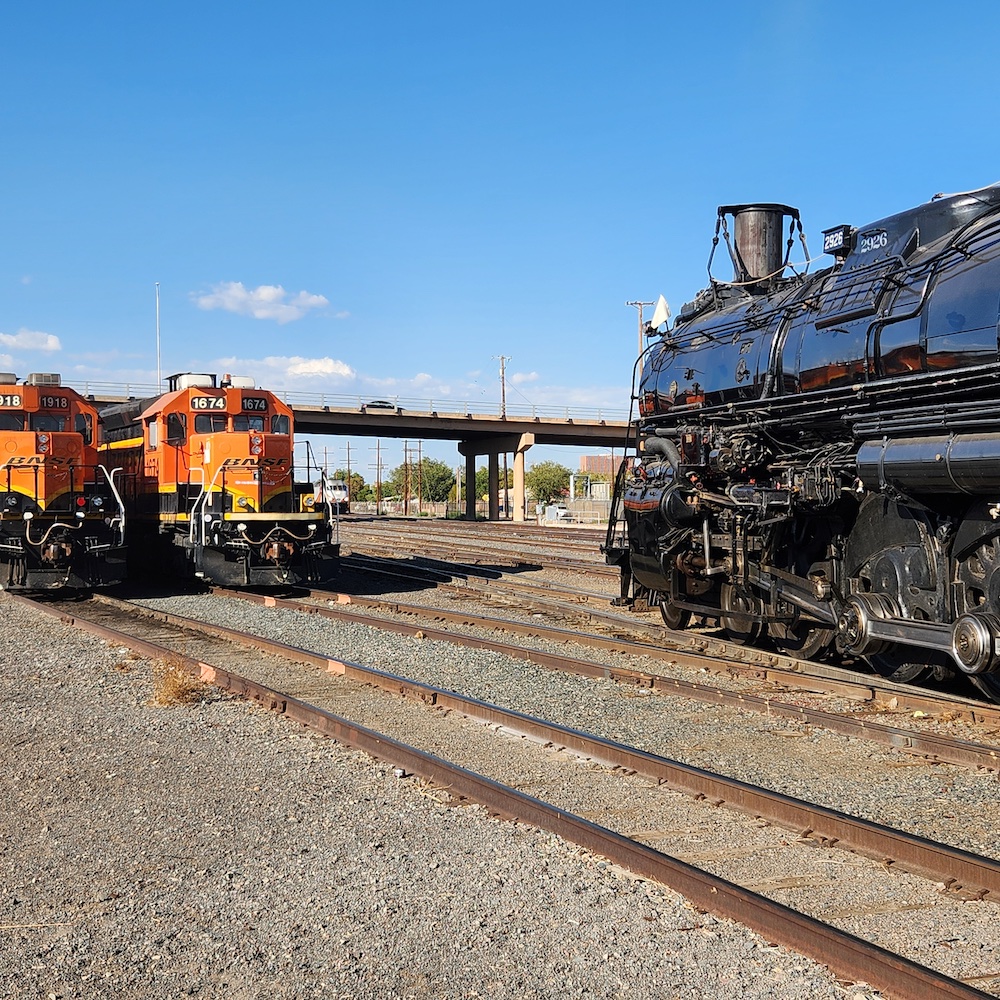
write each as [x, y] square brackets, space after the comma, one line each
[571, 603]
[906, 699]
[619, 632]
[192, 642]
[455, 547]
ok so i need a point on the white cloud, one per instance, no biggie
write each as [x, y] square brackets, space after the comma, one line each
[319, 366]
[519, 378]
[285, 372]
[31, 340]
[262, 302]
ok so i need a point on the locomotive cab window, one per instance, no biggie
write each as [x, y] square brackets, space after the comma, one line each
[279, 423]
[83, 425]
[152, 436]
[245, 422]
[50, 423]
[11, 421]
[210, 423]
[176, 428]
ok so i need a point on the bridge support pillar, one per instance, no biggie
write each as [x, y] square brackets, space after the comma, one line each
[527, 440]
[470, 486]
[493, 467]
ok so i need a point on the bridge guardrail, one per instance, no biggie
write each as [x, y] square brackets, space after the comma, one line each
[354, 401]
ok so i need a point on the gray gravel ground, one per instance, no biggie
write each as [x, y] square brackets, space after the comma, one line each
[218, 851]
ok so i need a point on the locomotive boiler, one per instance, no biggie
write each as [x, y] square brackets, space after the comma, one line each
[816, 457]
[62, 520]
[211, 486]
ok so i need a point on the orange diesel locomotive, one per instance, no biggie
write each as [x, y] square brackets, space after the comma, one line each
[210, 485]
[62, 520]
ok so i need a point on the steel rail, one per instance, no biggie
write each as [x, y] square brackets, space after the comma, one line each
[845, 954]
[725, 656]
[958, 870]
[479, 557]
[942, 748]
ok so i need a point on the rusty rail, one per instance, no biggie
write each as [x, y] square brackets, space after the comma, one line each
[943, 748]
[845, 954]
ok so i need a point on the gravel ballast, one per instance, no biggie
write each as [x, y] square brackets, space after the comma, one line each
[216, 850]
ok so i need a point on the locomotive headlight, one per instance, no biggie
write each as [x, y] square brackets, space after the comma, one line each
[97, 502]
[11, 501]
[28, 515]
[310, 501]
[43, 438]
[241, 527]
[81, 514]
[256, 449]
[256, 439]
[43, 447]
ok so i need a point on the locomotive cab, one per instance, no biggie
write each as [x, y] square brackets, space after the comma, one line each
[213, 483]
[62, 518]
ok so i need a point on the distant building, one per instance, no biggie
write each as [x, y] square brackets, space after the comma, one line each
[601, 465]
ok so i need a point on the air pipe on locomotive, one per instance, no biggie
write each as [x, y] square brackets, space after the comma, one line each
[816, 457]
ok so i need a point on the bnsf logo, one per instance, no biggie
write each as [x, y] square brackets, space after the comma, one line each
[39, 460]
[252, 462]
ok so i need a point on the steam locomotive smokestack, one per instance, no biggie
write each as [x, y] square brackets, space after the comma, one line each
[757, 234]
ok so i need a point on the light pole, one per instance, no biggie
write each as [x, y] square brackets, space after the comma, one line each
[157, 336]
[640, 306]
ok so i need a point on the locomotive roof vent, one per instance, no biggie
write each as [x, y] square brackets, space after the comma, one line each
[756, 244]
[43, 378]
[190, 380]
[8, 378]
[238, 382]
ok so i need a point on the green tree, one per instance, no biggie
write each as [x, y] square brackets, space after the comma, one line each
[547, 481]
[432, 479]
[483, 480]
[438, 478]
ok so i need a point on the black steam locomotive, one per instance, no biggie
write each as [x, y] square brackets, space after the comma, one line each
[816, 460]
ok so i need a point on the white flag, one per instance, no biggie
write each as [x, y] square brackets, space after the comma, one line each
[661, 314]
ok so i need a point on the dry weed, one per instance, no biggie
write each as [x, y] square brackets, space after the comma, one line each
[126, 665]
[173, 685]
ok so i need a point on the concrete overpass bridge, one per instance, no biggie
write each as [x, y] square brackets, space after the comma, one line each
[476, 433]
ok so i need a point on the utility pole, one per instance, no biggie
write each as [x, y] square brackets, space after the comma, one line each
[406, 478]
[503, 359]
[639, 306]
[348, 471]
[378, 477]
[420, 478]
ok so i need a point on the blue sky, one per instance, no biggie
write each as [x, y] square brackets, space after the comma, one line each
[380, 199]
